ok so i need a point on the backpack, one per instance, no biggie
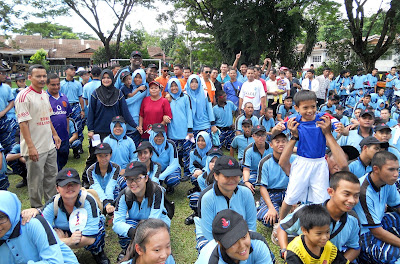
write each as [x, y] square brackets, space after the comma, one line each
[82, 200]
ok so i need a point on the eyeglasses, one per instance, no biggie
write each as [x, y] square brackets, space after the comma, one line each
[136, 179]
[3, 221]
[165, 70]
[207, 72]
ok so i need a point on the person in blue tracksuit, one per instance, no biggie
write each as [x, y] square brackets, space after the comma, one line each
[28, 242]
[248, 113]
[351, 101]
[380, 94]
[359, 80]
[330, 105]
[385, 118]
[203, 116]
[390, 78]
[224, 111]
[253, 154]
[103, 176]
[180, 129]
[58, 209]
[138, 93]
[123, 147]
[240, 142]
[273, 182]
[284, 110]
[234, 243]
[166, 155]
[225, 193]
[150, 234]
[343, 83]
[203, 180]
[380, 106]
[141, 199]
[371, 81]
[4, 183]
[369, 146]
[145, 151]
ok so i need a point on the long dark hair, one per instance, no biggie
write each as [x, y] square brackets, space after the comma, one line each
[144, 230]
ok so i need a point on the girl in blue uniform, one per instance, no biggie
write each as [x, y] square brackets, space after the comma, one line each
[165, 153]
[142, 199]
[150, 244]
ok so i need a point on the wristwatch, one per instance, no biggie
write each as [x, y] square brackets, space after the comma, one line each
[295, 138]
[282, 252]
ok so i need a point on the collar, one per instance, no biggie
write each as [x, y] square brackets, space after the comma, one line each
[112, 136]
[59, 95]
[69, 81]
[30, 87]
[275, 159]
[376, 188]
[16, 232]
[218, 191]
[225, 256]
[97, 168]
[370, 132]
[362, 163]
[343, 217]
[309, 251]
[255, 149]
[196, 153]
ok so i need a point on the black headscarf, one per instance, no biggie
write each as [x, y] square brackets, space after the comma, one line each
[108, 95]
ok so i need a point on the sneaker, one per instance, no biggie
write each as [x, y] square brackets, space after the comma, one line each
[190, 219]
[80, 151]
[185, 178]
[170, 190]
[274, 233]
[101, 258]
[77, 156]
[121, 255]
[21, 184]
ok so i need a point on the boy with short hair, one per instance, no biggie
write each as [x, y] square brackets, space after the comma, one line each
[330, 105]
[248, 113]
[127, 88]
[365, 102]
[380, 94]
[284, 110]
[267, 120]
[314, 245]
[385, 118]
[223, 113]
[241, 141]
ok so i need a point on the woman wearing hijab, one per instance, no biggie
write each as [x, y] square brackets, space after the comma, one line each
[105, 103]
[166, 155]
[31, 242]
[180, 130]
[202, 113]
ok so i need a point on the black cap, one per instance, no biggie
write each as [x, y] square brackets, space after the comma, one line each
[372, 141]
[228, 166]
[66, 176]
[103, 148]
[20, 76]
[2, 69]
[136, 53]
[96, 71]
[119, 119]
[135, 169]
[215, 151]
[124, 74]
[367, 112]
[157, 128]
[247, 121]
[351, 151]
[153, 66]
[334, 97]
[70, 67]
[273, 136]
[144, 145]
[228, 227]
[258, 128]
[381, 126]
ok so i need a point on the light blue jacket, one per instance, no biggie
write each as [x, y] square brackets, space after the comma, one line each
[104, 186]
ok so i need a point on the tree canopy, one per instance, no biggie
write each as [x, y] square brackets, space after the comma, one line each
[51, 30]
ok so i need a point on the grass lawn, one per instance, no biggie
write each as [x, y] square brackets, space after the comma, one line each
[182, 236]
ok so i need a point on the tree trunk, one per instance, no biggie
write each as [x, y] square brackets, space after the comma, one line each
[368, 62]
[107, 49]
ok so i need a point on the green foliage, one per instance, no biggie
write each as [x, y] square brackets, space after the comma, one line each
[50, 30]
[124, 52]
[39, 58]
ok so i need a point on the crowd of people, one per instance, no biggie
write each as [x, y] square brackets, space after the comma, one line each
[321, 152]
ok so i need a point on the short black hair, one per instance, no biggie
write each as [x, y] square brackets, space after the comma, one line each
[394, 67]
[165, 66]
[327, 69]
[269, 108]
[180, 66]
[244, 63]
[381, 157]
[214, 69]
[219, 93]
[304, 95]
[342, 175]
[115, 66]
[311, 70]
[250, 68]
[187, 68]
[273, 70]
[367, 95]
[379, 88]
[225, 63]
[35, 66]
[204, 66]
[375, 69]
[51, 76]
[287, 98]
[314, 215]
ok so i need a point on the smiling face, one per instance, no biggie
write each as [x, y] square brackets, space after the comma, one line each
[174, 88]
[103, 159]
[69, 191]
[118, 129]
[144, 155]
[241, 249]
[154, 90]
[138, 79]
[366, 121]
[317, 236]
[54, 86]
[307, 110]
[157, 248]
[159, 138]
[5, 224]
[278, 144]
[346, 195]
[106, 80]
[227, 184]
[194, 84]
[137, 184]
[128, 81]
[201, 143]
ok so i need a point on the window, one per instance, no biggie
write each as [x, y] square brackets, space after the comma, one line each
[316, 58]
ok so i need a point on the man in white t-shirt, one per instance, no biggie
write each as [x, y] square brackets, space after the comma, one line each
[252, 91]
[273, 90]
[33, 110]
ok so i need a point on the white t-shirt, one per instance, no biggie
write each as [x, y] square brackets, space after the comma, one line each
[35, 108]
[252, 92]
[272, 86]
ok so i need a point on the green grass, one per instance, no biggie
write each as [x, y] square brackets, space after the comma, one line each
[182, 236]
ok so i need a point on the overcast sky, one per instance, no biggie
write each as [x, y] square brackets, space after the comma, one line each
[148, 17]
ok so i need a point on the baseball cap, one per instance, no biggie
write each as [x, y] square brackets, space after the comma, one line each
[153, 66]
[381, 126]
[228, 227]
[351, 151]
[334, 97]
[157, 128]
[283, 68]
[367, 112]
[103, 148]
[136, 53]
[373, 140]
[276, 135]
[154, 82]
[215, 151]
[96, 71]
[228, 166]
[20, 76]
[247, 121]
[135, 168]
[144, 145]
[70, 67]
[124, 74]
[66, 176]
[258, 128]
[119, 119]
